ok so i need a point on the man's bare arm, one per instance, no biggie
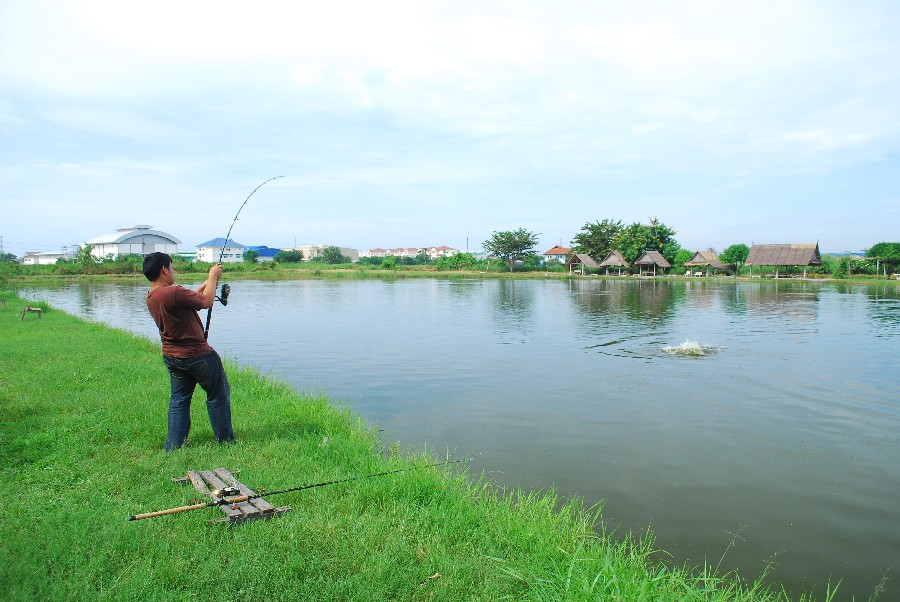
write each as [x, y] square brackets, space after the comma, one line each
[208, 288]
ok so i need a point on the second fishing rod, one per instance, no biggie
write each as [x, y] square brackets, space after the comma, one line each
[228, 495]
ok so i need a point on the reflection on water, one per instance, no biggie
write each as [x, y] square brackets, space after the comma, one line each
[787, 435]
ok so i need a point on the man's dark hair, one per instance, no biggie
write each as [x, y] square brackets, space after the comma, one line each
[154, 263]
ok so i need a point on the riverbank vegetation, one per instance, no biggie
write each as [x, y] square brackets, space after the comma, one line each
[462, 265]
[81, 437]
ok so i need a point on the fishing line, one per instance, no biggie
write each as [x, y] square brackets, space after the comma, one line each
[225, 291]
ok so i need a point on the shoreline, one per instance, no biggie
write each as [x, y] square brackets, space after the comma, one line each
[342, 273]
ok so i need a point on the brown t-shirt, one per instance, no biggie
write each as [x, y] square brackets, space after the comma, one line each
[174, 309]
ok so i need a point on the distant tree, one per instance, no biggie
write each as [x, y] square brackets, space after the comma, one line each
[251, 256]
[419, 259]
[596, 239]
[638, 238]
[388, 263]
[511, 245]
[132, 263]
[332, 255]
[288, 256]
[8, 258]
[735, 254]
[85, 257]
[841, 268]
[534, 261]
[85, 261]
[681, 258]
[183, 265]
[457, 261]
[888, 253]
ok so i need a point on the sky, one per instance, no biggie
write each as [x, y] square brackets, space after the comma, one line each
[426, 123]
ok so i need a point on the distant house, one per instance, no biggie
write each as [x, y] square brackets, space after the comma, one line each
[212, 250]
[579, 261]
[614, 260]
[46, 257]
[265, 253]
[653, 258]
[706, 259]
[407, 252]
[557, 253]
[139, 240]
[784, 255]
[442, 251]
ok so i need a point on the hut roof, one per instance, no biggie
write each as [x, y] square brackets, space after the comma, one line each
[705, 258]
[578, 258]
[784, 255]
[614, 260]
[653, 257]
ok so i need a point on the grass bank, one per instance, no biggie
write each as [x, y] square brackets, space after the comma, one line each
[81, 433]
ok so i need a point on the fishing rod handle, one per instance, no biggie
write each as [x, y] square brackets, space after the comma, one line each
[168, 511]
[230, 500]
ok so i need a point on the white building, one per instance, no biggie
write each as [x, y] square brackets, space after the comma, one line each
[140, 240]
[558, 253]
[406, 252]
[442, 251]
[229, 251]
[46, 257]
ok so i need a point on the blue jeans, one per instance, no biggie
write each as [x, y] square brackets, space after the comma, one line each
[184, 375]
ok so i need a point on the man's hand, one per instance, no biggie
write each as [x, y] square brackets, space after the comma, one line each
[208, 288]
[215, 273]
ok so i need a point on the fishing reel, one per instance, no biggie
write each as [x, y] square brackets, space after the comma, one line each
[223, 296]
[226, 491]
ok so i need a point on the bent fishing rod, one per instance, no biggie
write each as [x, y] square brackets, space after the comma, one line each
[226, 495]
[226, 289]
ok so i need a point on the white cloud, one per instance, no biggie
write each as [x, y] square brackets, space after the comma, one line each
[496, 101]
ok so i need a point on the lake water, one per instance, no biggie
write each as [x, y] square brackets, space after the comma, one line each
[780, 445]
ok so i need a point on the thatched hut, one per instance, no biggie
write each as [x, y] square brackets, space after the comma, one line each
[653, 258]
[579, 261]
[614, 260]
[705, 259]
[783, 255]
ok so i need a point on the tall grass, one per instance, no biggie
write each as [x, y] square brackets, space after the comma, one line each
[81, 433]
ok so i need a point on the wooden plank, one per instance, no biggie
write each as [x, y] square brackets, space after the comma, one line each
[198, 483]
[182, 480]
[245, 509]
[259, 503]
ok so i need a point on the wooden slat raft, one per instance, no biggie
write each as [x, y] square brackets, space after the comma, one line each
[206, 481]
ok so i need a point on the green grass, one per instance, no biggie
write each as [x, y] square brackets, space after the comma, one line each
[81, 431]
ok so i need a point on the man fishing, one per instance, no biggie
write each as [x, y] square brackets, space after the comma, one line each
[186, 353]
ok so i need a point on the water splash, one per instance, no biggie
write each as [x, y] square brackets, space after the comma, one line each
[692, 349]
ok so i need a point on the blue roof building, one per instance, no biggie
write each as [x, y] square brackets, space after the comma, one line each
[265, 253]
[228, 250]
